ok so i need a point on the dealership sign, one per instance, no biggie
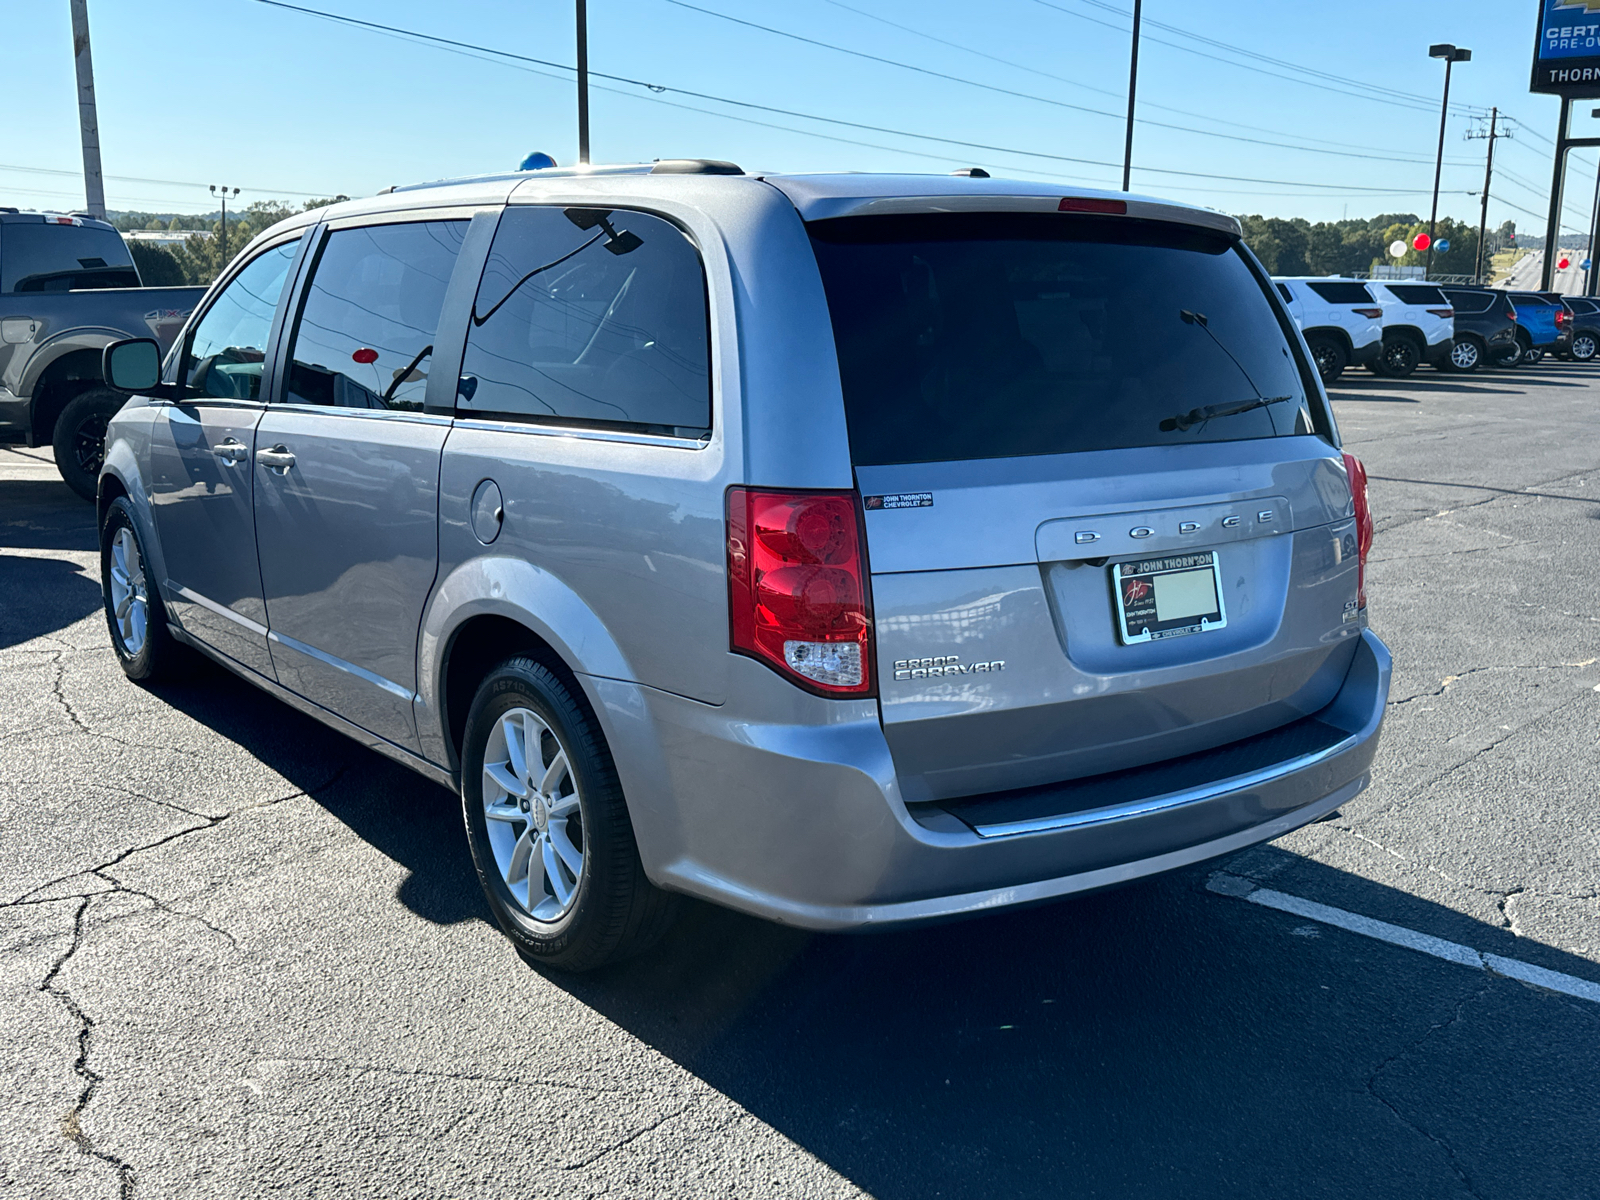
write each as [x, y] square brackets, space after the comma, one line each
[1566, 52]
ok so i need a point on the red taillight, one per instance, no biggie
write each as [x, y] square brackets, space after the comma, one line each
[1442, 312]
[1364, 528]
[1092, 204]
[797, 587]
[1511, 314]
[1561, 316]
[1372, 314]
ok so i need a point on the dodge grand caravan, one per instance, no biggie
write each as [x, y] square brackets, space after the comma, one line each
[850, 550]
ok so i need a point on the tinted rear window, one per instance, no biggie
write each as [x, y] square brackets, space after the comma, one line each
[992, 335]
[1586, 307]
[49, 257]
[1469, 302]
[1342, 293]
[1417, 293]
[1520, 298]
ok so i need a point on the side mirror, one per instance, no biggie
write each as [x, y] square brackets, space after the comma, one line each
[133, 365]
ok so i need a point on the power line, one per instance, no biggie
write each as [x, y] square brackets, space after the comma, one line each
[141, 179]
[475, 51]
[1004, 91]
[1373, 92]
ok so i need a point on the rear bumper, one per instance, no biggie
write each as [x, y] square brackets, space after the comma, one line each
[1362, 356]
[16, 416]
[806, 826]
[1438, 352]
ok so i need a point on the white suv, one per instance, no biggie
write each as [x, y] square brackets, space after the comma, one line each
[1419, 326]
[1341, 321]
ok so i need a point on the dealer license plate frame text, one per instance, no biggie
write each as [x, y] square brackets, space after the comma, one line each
[1134, 587]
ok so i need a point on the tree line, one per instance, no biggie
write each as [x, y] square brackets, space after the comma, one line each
[1295, 246]
[199, 259]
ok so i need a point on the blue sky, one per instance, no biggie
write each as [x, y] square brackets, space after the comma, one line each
[287, 105]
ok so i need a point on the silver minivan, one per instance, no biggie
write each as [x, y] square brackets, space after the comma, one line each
[851, 550]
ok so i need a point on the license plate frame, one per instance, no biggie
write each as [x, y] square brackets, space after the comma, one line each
[1134, 587]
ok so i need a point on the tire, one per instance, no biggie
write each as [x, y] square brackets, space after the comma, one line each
[1329, 356]
[79, 438]
[1510, 357]
[1398, 358]
[145, 648]
[1584, 346]
[1465, 355]
[559, 837]
[1532, 355]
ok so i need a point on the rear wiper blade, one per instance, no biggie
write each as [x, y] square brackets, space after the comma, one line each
[1184, 422]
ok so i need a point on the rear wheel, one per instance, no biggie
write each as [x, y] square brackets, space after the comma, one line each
[548, 827]
[1511, 356]
[1398, 358]
[1465, 355]
[1584, 346]
[79, 439]
[1531, 355]
[1329, 356]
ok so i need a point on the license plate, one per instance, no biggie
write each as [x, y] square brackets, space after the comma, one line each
[1168, 597]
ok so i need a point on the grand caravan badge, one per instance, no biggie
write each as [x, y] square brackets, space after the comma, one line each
[943, 666]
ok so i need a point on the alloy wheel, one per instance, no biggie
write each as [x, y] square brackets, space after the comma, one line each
[1464, 355]
[1584, 347]
[130, 599]
[533, 813]
[89, 443]
[1325, 357]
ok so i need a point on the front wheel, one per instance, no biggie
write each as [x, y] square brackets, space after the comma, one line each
[1465, 355]
[145, 648]
[1531, 355]
[1584, 346]
[79, 438]
[548, 827]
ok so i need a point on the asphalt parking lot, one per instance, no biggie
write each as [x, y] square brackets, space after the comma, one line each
[240, 956]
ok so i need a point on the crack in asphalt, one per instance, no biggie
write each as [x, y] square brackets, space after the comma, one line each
[1372, 1090]
[59, 692]
[458, 1076]
[71, 1121]
[1498, 494]
[628, 1140]
[1448, 680]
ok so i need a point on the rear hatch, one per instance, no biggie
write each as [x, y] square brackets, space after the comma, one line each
[1106, 520]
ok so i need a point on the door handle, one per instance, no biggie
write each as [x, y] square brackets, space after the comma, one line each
[231, 450]
[278, 459]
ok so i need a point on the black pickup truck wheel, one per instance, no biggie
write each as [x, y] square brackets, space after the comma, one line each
[80, 438]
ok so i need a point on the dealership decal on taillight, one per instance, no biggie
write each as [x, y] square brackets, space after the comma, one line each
[797, 587]
[1364, 526]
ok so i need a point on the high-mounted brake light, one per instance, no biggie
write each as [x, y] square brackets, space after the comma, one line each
[797, 587]
[1364, 526]
[1093, 204]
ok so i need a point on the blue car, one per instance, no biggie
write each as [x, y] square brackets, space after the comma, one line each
[1541, 328]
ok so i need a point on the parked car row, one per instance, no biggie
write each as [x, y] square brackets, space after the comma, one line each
[1392, 327]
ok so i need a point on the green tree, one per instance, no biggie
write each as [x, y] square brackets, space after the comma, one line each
[158, 266]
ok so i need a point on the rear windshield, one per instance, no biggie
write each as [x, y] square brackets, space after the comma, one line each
[1417, 293]
[1342, 293]
[51, 257]
[994, 335]
[1528, 298]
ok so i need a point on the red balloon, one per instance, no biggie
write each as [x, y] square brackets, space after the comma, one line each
[1421, 242]
[1564, 264]
[364, 355]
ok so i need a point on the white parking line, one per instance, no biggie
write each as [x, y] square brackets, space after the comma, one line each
[1398, 935]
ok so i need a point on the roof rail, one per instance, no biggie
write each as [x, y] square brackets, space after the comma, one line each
[695, 166]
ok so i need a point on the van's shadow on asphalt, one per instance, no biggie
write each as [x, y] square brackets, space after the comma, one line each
[1159, 1040]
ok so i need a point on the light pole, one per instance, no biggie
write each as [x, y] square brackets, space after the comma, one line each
[583, 81]
[222, 193]
[1133, 87]
[1451, 55]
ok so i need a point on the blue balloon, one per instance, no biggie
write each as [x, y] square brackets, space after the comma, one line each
[1443, 245]
[537, 161]
[1584, 264]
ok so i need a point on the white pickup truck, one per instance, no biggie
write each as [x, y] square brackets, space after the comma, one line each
[68, 289]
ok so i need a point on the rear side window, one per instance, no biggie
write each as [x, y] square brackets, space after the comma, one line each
[1288, 296]
[365, 334]
[1522, 298]
[992, 335]
[1417, 293]
[1586, 307]
[1469, 302]
[50, 257]
[590, 317]
[1342, 293]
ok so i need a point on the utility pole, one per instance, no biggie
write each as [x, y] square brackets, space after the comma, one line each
[1488, 174]
[1133, 88]
[94, 186]
[1451, 55]
[222, 192]
[583, 81]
